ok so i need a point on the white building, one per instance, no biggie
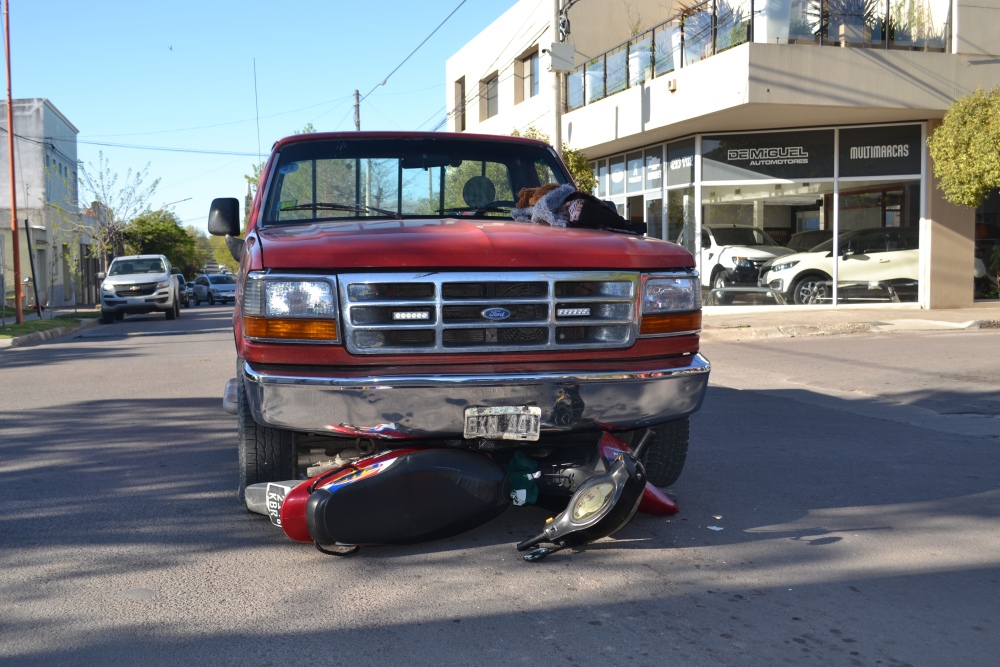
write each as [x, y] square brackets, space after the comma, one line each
[45, 172]
[751, 112]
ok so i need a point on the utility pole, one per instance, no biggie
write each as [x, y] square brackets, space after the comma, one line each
[357, 111]
[556, 85]
[18, 290]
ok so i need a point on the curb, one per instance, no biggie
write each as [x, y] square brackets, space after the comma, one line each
[751, 332]
[48, 334]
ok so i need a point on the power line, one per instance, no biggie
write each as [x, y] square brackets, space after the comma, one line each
[415, 50]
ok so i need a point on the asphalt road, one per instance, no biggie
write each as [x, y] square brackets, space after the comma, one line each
[840, 506]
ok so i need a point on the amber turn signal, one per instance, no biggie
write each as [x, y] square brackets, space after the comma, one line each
[290, 329]
[670, 323]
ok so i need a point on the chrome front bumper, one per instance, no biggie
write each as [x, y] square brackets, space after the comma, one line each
[433, 405]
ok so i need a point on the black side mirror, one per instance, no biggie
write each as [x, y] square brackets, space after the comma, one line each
[224, 220]
[224, 217]
[174, 270]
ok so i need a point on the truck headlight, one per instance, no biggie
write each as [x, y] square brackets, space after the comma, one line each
[290, 308]
[671, 305]
[108, 288]
[163, 284]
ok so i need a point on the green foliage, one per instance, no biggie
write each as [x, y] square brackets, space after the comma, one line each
[160, 233]
[575, 160]
[220, 253]
[965, 148]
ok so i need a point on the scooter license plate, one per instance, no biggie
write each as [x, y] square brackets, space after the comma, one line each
[522, 422]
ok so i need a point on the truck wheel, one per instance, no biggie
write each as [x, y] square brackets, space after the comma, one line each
[719, 281]
[174, 311]
[266, 454]
[107, 317]
[665, 455]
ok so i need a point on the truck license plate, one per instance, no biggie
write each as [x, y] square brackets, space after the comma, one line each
[504, 423]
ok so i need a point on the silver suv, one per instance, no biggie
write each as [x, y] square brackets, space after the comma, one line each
[136, 284]
[214, 288]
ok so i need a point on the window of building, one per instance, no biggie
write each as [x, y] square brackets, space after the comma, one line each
[531, 75]
[489, 97]
[460, 105]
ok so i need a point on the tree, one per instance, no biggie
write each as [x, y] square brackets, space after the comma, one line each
[160, 233]
[113, 204]
[964, 148]
[575, 159]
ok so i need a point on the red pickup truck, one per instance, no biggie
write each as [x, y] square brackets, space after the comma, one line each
[388, 298]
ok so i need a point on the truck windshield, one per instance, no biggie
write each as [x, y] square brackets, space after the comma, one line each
[364, 178]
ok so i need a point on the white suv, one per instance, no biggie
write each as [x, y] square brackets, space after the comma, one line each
[136, 284]
[731, 256]
[880, 262]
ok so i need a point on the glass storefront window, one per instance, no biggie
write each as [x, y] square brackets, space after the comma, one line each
[602, 178]
[654, 168]
[680, 215]
[654, 218]
[617, 176]
[634, 180]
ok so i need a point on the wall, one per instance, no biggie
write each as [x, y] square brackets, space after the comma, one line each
[976, 26]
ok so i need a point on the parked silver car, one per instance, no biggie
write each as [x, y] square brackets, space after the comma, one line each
[214, 288]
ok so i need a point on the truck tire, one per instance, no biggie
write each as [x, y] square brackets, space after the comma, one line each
[665, 455]
[107, 317]
[175, 310]
[265, 454]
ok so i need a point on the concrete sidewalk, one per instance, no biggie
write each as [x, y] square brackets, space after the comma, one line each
[756, 322]
[48, 334]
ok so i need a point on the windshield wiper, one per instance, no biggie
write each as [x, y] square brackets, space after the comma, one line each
[501, 206]
[331, 206]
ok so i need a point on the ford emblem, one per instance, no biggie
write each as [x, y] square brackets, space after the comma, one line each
[496, 314]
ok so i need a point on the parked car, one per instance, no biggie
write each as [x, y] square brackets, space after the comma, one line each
[190, 291]
[869, 260]
[137, 284]
[807, 240]
[410, 308]
[731, 256]
[182, 290]
[214, 288]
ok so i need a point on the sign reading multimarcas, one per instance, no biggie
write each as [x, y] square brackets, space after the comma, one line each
[880, 151]
[786, 155]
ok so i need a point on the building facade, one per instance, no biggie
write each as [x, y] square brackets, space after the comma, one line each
[787, 116]
[54, 250]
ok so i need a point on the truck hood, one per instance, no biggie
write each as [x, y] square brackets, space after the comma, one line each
[457, 243]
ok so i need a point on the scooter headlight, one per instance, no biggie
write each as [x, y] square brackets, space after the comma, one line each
[592, 502]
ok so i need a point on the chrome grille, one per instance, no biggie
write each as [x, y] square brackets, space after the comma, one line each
[137, 289]
[488, 311]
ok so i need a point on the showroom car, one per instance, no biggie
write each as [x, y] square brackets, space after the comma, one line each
[875, 264]
[732, 255]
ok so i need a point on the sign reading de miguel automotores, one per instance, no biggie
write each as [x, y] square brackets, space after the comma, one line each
[880, 151]
[790, 155]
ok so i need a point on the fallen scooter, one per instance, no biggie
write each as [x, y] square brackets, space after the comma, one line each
[413, 495]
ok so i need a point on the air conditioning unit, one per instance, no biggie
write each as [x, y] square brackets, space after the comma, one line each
[672, 85]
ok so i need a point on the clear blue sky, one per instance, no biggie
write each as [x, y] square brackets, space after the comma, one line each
[179, 75]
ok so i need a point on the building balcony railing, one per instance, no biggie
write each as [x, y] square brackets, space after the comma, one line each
[702, 30]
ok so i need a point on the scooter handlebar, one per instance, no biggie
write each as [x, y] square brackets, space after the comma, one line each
[531, 541]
